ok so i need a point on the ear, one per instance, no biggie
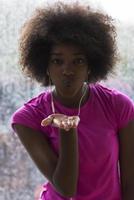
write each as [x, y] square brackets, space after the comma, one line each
[88, 72]
[48, 73]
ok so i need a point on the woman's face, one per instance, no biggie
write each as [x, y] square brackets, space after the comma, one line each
[68, 69]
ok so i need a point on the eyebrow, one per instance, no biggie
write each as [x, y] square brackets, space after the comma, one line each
[60, 54]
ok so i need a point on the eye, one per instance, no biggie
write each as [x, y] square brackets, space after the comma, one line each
[80, 61]
[56, 61]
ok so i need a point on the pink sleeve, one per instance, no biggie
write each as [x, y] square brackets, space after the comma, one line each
[124, 108]
[28, 116]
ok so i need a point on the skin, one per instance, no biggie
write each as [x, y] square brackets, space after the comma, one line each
[62, 171]
[69, 63]
[126, 146]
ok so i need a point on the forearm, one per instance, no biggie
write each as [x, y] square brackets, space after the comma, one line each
[128, 193]
[66, 173]
[128, 197]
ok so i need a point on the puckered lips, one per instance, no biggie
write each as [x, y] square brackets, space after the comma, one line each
[68, 82]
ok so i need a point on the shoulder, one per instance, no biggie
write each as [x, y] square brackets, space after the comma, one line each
[121, 105]
[102, 92]
[108, 98]
[112, 94]
[32, 112]
[39, 100]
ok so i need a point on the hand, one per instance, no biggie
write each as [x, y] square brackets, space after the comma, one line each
[61, 121]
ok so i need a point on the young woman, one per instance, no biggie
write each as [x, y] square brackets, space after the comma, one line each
[80, 134]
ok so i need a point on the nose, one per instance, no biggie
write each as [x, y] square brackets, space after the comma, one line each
[67, 69]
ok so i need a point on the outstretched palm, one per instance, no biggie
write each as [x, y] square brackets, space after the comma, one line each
[61, 121]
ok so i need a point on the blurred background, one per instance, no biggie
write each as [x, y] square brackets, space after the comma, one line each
[19, 178]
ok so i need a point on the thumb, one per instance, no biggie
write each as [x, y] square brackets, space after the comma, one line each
[47, 121]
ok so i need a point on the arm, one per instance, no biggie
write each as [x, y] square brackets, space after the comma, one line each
[126, 142]
[67, 163]
[61, 172]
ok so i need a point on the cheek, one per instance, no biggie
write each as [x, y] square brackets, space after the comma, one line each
[87, 76]
[55, 78]
[87, 72]
[84, 75]
[80, 75]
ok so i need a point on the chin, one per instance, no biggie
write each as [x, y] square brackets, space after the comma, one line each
[68, 92]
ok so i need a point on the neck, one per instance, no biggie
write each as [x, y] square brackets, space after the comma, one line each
[73, 102]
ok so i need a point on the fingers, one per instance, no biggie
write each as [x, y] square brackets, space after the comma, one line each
[76, 120]
[69, 122]
[66, 124]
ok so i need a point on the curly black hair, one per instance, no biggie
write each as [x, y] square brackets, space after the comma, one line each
[92, 30]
